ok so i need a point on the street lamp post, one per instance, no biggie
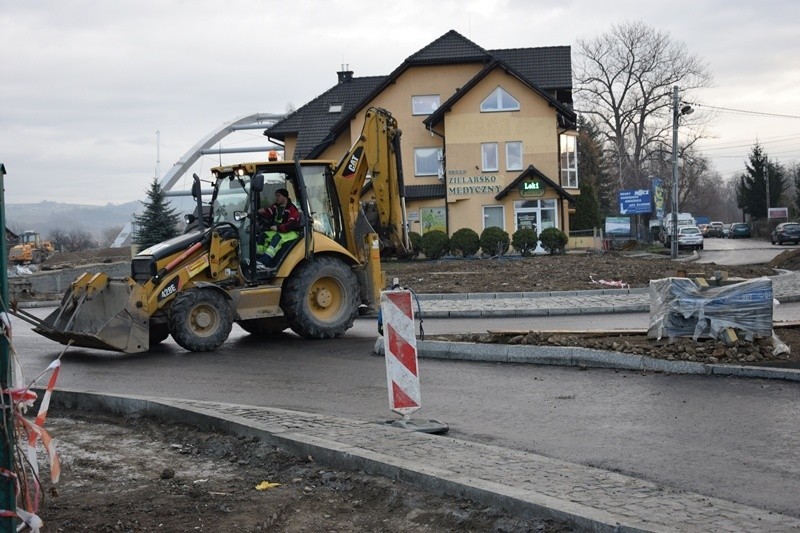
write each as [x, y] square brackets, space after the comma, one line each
[687, 109]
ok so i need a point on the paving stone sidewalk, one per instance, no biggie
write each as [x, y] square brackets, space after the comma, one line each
[520, 482]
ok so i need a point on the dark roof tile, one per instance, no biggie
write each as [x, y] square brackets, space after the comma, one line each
[452, 47]
[313, 122]
[548, 67]
[415, 192]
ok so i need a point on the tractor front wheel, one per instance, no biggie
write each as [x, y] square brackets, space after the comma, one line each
[200, 319]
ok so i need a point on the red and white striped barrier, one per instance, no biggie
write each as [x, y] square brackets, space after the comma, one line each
[400, 347]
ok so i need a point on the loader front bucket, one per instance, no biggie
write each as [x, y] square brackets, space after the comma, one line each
[100, 312]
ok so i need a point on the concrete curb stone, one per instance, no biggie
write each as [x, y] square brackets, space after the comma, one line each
[577, 356]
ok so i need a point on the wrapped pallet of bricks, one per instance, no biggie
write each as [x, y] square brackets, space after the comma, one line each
[678, 308]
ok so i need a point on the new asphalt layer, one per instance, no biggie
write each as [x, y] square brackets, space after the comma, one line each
[523, 483]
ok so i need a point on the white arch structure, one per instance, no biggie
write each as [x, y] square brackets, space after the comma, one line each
[204, 147]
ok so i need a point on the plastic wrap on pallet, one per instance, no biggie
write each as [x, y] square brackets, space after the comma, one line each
[679, 309]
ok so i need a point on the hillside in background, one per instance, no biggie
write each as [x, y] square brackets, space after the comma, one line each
[44, 217]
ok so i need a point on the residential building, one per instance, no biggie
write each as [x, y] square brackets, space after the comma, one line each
[489, 136]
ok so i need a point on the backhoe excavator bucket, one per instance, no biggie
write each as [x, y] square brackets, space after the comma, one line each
[100, 312]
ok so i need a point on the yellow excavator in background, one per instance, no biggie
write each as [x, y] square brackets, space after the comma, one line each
[195, 286]
[31, 249]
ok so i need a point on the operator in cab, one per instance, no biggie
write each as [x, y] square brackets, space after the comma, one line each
[283, 222]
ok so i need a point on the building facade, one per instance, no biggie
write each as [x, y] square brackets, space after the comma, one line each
[489, 136]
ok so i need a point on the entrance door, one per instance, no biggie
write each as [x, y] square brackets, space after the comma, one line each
[537, 215]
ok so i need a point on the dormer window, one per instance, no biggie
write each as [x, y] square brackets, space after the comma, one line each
[335, 108]
[499, 100]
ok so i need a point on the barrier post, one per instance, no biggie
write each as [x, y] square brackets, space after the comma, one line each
[402, 370]
[400, 347]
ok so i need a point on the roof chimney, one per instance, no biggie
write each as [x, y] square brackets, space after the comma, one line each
[345, 75]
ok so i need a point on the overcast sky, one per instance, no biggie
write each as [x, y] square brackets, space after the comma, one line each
[86, 84]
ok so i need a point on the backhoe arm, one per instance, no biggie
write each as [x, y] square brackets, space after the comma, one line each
[375, 154]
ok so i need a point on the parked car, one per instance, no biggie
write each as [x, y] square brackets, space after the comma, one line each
[741, 230]
[690, 237]
[714, 229]
[786, 232]
[726, 231]
[703, 229]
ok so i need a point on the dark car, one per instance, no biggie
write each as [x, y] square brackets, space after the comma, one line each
[740, 229]
[714, 229]
[786, 232]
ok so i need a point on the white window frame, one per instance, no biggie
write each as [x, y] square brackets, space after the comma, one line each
[568, 160]
[418, 153]
[518, 145]
[424, 104]
[498, 101]
[502, 214]
[485, 163]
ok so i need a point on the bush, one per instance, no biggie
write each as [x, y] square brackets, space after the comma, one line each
[494, 241]
[554, 240]
[465, 242]
[416, 243]
[434, 244]
[524, 241]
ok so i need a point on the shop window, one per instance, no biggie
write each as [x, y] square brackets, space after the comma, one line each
[499, 100]
[493, 216]
[424, 104]
[489, 157]
[514, 155]
[433, 218]
[427, 161]
[569, 161]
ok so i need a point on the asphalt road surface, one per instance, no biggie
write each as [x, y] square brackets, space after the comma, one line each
[739, 251]
[731, 438]
[736, 439]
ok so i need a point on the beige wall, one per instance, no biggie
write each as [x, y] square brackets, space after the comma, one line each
[465, 128]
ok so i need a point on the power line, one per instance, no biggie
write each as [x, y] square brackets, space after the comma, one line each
[744, 112]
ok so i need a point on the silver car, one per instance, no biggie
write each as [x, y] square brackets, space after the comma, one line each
[690, 237]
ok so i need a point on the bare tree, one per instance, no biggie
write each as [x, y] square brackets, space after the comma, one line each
[624, 81]
[60, 240]
[109, 235]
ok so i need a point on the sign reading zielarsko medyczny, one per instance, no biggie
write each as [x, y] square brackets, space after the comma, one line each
[635, 202]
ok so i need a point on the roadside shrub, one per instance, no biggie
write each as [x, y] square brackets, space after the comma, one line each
[524, 241]
[434, 244]
[494, 241]
[416, 243]
[465, 242]
[554, 240]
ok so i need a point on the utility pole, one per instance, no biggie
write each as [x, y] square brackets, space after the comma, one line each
[676, 111]
[7, 494]
[766, 180]
[674, 239]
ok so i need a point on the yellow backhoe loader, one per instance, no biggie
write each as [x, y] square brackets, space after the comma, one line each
[195, 286]
[31, 249]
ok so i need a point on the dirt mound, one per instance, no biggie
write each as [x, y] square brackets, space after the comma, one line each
[787, 260]
[573, 271]
[59, 260]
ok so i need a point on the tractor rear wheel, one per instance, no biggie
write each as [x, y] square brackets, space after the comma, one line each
[200, 319]
[321, 298]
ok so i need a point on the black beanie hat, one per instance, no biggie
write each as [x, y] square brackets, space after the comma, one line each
[283, 192]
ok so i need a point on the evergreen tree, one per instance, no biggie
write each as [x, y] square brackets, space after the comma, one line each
[158, 222]
[751, 192]
[587, 210]
[794, 206]
[593, 167]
